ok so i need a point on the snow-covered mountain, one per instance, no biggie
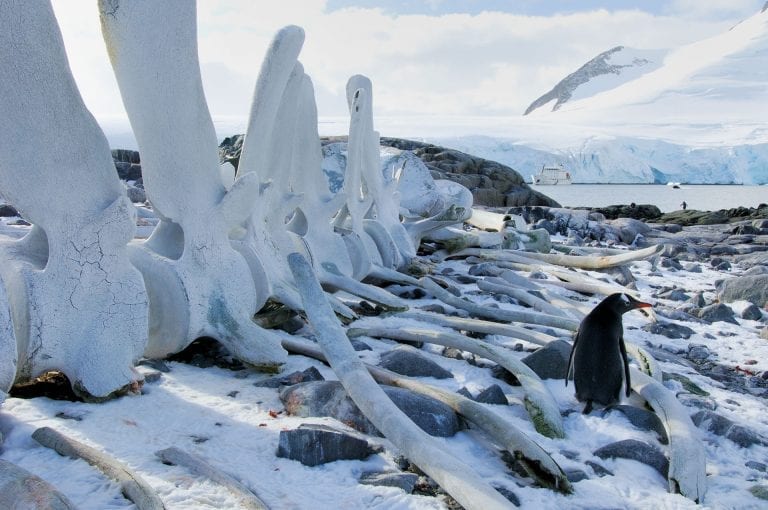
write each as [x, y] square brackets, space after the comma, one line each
[697, 113]
[604, 72]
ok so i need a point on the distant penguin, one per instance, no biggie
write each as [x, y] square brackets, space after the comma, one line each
[598, 352]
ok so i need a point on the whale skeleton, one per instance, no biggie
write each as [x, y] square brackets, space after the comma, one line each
[77, 295]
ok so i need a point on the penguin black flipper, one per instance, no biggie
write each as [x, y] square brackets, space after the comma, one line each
[623, 349]
[570, 358]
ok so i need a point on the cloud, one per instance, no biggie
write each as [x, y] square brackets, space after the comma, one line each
[486, 64]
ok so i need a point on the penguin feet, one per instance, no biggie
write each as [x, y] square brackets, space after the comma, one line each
[588, 407]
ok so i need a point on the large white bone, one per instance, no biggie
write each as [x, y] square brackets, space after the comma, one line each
[199, 285]
[77, 304]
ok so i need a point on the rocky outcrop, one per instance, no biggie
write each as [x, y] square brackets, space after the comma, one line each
[598, 66]
[492, 184]
[694, 217]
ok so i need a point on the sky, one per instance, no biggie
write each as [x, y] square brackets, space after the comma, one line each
[428, 57]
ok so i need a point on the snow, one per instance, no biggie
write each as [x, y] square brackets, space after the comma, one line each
[218, 414]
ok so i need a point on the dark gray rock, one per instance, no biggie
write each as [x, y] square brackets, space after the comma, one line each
[644, 420]
[669, 329]
[310, 374]
[313, 445]
[465, 392]
[493, 394]
[722, 426]
[405, 361]
[698, 300]
[598, 469]
[550, 362]
[718, 312]
[693, 268]
[636, 450]
[8, 211]
[757, 466]
[672, 263]
[359, 345]
[698, 352]
[404, 481]
[752, 288]
[511, 496]
[751, 313]
[675, 295]
[575, 475]
[756, 270]
[136, 195]
[759, 491]
[328, 398]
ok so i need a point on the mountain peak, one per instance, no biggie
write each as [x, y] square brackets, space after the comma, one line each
[607, 70]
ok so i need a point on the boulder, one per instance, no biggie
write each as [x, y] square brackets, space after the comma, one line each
[717, 312]
[405, 361]
[752, 288]
[313, 445]
[493, 394]
[669, 329]
[636, 450]
[328, 398]
[643, 419]
[550, 362]
[310, 374]
[722, 426]
[404, 481]
[20, 489]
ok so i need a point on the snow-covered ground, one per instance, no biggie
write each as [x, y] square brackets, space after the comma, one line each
[218, 414]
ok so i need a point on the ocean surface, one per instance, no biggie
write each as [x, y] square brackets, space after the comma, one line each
[702, 197]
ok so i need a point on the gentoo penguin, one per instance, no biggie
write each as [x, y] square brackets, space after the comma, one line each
[598, 352]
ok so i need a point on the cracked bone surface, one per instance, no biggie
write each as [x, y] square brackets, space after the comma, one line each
[198, 284]
[76, 303]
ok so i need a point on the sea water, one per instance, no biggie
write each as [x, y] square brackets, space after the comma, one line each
[704, 197]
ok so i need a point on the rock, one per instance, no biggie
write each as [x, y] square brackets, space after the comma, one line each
[511, 496]
[752, 288]
[550, 362]
[718, 312]
[8, 211]
[757, 466]
[598, 469]
[724, 266]
[675, 295]
[465, 392]
[671, 263]
[644, 420]
[310, 374]
[764, 333]
[722, 426]
[575, 475]
[636, 450]
[638, 212]
[404, 481]
[693, 268]
[493, 394]
[749, 312]
[313, 445]
[669, 329]
[136, 195]
[620, 274]
[328, 398]
[406, 361]
[698, 352]
[759, 491]
[629, 229]
[756, 270]
[359, 345]
[698, 300]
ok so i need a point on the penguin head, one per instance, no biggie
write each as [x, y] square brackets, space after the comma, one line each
[623, 303]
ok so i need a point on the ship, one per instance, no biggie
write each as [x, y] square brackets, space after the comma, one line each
[551, 175]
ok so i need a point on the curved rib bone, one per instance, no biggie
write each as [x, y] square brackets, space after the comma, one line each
[537, 462]
[131, 484]
[458, 479]
[246, 499]
[593, 262]
[539, 403]
[21, 489]
[496, 313]
[687, 462]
